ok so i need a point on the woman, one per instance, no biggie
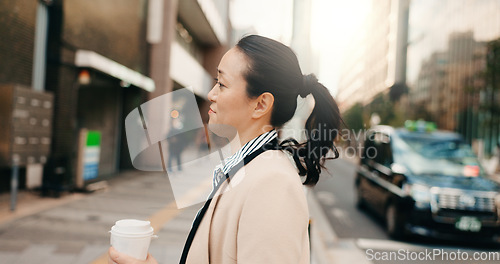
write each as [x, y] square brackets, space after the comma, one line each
[264, 218]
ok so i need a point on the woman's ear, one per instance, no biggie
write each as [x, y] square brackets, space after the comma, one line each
[263, 105]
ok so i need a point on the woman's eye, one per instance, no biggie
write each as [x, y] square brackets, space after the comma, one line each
[219, 83]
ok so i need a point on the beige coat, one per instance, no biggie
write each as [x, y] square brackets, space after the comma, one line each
[261, 217]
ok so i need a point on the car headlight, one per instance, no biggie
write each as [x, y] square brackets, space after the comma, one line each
[420, 193]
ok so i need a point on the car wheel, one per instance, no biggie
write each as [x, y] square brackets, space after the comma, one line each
[394, 224]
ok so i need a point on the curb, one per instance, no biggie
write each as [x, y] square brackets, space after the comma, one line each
[325, 245]
[322, 234]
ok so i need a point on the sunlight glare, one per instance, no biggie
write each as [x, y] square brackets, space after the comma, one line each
[334, 23]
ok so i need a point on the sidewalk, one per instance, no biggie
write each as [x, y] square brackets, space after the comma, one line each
[74, 228]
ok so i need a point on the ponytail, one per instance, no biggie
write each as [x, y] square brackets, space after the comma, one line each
[321, 129]
[274, 68]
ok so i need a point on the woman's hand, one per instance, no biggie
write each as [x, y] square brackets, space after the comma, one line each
[115, 257]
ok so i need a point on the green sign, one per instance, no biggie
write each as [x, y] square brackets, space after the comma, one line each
[93, 138]
[91, 155]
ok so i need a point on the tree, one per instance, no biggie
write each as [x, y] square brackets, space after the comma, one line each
[354, 117]
[383, 106]
[397, 90]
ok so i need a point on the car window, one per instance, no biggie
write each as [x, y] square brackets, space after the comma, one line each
[386, 154]
[368, 150]
[437, 156]
[378, 148]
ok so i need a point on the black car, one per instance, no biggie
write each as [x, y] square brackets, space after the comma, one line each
[427, 182]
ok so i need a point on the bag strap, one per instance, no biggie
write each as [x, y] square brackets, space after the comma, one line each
[271, 145]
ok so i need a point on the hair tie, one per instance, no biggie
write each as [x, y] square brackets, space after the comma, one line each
[309, 81]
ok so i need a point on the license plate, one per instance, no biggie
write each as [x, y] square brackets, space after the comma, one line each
[468, 223]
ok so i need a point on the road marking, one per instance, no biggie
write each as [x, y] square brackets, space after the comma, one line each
[160, 218]
[388, 245]
[342, 216]
[326, 198]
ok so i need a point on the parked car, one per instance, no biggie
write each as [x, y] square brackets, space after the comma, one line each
[427, 182]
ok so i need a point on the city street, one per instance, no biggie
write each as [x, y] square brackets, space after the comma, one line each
[75, 230]
[363, 230]
[107, 110]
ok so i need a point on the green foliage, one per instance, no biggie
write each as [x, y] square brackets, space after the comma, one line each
[354, 117]
[420, 112]
[392, 113]
[383, 106]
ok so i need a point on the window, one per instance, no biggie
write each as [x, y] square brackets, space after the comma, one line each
[383, 149]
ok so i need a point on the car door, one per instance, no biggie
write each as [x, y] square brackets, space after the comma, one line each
[380, 171]
[365, 180]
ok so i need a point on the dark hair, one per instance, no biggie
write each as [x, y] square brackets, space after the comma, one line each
[274, 68]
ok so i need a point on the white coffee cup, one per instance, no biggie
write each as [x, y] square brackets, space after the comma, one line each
[132, 237]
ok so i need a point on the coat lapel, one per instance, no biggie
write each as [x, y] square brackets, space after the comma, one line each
[199, 251]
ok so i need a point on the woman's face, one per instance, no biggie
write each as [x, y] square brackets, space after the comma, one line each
[230, 102]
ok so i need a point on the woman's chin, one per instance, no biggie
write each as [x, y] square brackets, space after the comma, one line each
[222, 130]
[212, 121]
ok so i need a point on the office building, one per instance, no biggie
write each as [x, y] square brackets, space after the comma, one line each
[101, 60]
[453, 64]
[376, 58]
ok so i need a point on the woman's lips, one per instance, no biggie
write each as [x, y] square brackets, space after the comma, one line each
[211, 111]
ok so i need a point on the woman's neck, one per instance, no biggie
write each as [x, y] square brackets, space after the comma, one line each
[244, 136]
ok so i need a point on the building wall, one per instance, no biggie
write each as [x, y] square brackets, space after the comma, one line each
[431, 78]
[204, 38]
[301, 38]
[454, 38]
[116, 30]
[17, 34]
[113, 28]
[160, 50]
[375, 58]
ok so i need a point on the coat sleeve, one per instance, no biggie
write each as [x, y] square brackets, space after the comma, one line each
[274, 221]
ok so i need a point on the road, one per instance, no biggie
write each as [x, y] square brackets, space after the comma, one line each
[336, 193]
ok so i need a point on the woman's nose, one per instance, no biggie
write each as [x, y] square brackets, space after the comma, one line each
[212, 95]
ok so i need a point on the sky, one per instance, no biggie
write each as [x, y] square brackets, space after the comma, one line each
[333, 24]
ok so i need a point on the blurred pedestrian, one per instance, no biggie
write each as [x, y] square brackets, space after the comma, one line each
[264, 218]
[176, 145]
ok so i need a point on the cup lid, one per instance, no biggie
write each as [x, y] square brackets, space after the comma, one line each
[132, 227]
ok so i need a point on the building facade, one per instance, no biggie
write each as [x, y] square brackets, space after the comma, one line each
[102, 59]
[453, 66]
[376, 58]
[18, 20]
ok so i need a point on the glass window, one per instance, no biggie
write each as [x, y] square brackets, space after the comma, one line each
[446, 156]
